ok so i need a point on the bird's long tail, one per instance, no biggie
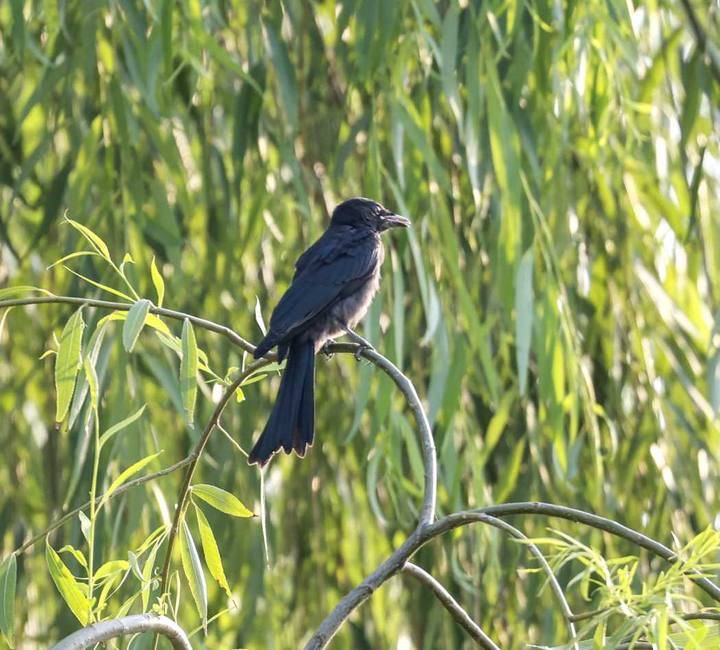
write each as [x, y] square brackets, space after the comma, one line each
[291, 424]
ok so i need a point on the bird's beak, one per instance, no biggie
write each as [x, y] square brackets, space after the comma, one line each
[391, 220]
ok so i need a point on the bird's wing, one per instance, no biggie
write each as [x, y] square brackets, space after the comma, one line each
[334, 267]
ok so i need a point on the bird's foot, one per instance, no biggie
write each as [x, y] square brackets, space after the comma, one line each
[363, 344]
[325, 349]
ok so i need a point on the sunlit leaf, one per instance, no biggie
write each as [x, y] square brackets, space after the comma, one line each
[188, 370]
[158, 282]
[193, 571]
[8, 292]
[95, 240]
[524, 315]
[72, 591]
[68, 363]
[126, 474]
[221, 500]
[8, 586]
[211, 551]
[119, 426]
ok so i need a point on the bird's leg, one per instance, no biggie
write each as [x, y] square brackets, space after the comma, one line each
[362, 343]
[325, 349]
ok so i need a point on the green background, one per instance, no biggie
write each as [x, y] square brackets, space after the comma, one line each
[555, 304]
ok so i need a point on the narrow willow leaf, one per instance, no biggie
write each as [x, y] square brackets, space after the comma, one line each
[134, 323]
[68, 363]
[110, 568]
[158, 282]
[20, 289]
[524, 315]
[92, 380]
[8, 585]
[104, 287]
[3, 318]
[119, 426]
[70, 589]
[285, 75]
[259, 317]
[76, 553]
[95, 240]
[193, 571]
[188, 370]
[147, 574]
[151, 321]
[84, 525]
[124, 476]
[73, 256]
[211, 551]
[221, 500]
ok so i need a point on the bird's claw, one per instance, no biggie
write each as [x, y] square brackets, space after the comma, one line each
[325, 349]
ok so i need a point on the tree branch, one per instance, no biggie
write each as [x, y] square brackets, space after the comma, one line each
[106, 630]
[209, 325]
[455, 609]
[194, 459]
[554, 584]
[702, 39]
[123, 488]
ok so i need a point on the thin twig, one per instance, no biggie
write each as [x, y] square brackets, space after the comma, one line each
[455, 609]
[122, 489]
[135, 624]
[195, 457]
[554, 584]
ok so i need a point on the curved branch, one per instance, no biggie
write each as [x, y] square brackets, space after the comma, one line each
[422, 535]
[554, 584]
[427, 513]
[106, 630]
[209, 325]
[452, 605]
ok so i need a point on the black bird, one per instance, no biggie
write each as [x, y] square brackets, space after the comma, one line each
[335, 280]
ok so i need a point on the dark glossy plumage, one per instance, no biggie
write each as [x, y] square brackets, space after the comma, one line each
[334, 282]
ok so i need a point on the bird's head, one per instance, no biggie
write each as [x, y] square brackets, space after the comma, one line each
[366, 213]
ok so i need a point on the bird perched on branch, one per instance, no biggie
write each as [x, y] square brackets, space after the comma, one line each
[334, 283]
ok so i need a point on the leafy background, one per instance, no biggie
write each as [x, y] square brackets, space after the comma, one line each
[556, 302]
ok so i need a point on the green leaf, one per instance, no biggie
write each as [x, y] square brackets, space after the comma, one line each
[119, 426]
[147, 574]
[135, 321]
[221, 500]
[95, 240]
[68, 363]
[20, 289]
[211, 551]
[73, 256]
[73, 592]
[188, 370]
[193, 571]
[285, 75]
[85, 525]
[158, 282]
[524, 315]
[8, 585]
[104, 287]
[76, 553]
[124, 476]
[110, 568]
